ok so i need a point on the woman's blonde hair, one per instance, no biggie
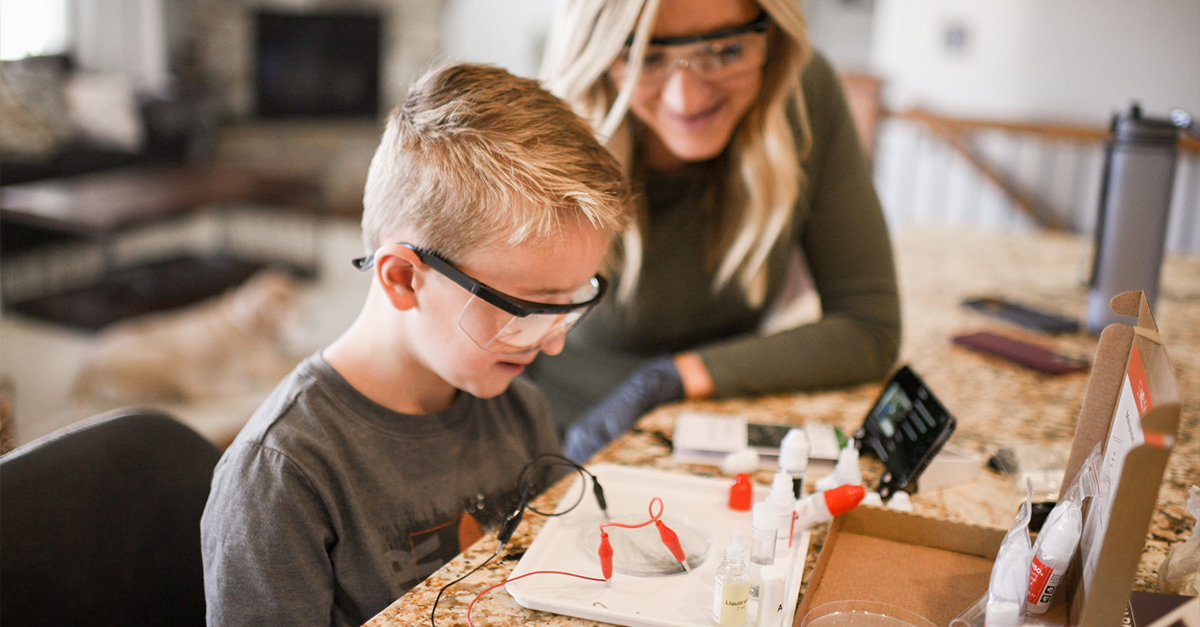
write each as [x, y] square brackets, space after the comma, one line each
[476, 155]
[588, 35]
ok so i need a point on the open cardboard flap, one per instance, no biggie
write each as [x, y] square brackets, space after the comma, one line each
[938, 568]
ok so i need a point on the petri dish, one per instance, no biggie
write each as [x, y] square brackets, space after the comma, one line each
[862, 614]
[640, 552]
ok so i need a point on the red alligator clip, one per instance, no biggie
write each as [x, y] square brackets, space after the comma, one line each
[606, 557]
[670, 539]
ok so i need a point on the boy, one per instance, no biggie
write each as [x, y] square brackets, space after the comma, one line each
[489, 207]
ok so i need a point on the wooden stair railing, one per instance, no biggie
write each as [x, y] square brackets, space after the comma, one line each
[957, 132]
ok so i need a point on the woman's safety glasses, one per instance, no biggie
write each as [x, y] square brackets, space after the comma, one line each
[505, 324]
[715, 56]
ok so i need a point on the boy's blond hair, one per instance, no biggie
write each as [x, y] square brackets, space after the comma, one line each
[475, 155]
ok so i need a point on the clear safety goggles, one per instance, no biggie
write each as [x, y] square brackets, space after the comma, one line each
[715, 56]
[505, 324]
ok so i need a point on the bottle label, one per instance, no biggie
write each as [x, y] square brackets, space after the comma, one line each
[1043, 580]
[729, 603]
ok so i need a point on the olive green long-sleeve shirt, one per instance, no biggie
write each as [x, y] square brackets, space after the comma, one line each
[839, 227]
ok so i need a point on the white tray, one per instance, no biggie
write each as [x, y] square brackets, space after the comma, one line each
[681, 599]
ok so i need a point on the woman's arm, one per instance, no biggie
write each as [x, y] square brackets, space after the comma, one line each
[844, 237]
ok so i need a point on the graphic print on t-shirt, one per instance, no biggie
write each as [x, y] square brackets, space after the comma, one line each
[417, 554]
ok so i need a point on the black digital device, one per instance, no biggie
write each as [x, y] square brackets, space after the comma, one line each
[1023, 315]
[905, 428]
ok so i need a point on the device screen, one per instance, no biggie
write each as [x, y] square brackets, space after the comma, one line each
[905, 428]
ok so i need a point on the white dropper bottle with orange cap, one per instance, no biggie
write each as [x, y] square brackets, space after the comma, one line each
[823, 506]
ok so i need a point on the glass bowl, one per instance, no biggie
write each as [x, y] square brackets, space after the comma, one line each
[862, 614]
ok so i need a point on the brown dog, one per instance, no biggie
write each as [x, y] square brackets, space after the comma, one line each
[217, 349]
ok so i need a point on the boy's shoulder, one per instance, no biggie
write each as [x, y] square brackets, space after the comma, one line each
[283, 400]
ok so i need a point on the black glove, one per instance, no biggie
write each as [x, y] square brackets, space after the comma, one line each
[652, 385]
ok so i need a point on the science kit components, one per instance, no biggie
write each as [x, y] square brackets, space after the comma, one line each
[762, 542]
[846, 472]
[1052, 553]
[820, 507]
[1059, 537]
[781, 497]
[731, 594]
[771, 597]
[667, 535]
[1008, 586]
[741, 493]
[793, 459]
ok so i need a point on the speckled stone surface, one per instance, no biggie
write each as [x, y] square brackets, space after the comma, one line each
[997, 404]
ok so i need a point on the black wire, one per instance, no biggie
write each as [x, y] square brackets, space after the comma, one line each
[559, 460]
[432, 612]
[526, 493]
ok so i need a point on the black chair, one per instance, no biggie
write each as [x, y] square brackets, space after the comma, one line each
[100, 523]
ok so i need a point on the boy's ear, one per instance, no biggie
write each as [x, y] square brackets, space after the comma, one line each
[396, 266]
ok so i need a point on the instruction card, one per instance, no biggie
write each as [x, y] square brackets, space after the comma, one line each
[705, 438]
[1125, 434]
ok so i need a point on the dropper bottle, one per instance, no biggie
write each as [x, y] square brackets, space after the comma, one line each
[846, 472]
[821, 507]
[731, 594]
[793, 459]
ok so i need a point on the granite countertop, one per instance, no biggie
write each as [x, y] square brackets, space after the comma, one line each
[997, 404]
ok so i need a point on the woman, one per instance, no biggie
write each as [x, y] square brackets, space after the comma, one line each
[739, 140]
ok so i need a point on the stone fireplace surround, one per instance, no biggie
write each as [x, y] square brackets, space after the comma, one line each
[335, 151]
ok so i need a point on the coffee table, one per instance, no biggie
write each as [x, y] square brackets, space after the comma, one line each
[97, 208]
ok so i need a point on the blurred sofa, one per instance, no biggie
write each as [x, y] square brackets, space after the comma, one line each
[62, 122]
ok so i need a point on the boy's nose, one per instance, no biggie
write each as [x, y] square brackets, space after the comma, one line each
[554, 345]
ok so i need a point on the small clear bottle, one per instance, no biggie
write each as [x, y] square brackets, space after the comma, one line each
[762, 542]
[781, 496]
[731, 594]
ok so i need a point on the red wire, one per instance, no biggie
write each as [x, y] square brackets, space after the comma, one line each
[653, 517]
[536, 572]
[669, 538]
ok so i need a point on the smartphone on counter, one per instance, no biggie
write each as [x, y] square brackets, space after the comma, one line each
[1022, 315]
[1020, 352]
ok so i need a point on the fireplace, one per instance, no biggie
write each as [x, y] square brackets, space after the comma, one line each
[317, 65]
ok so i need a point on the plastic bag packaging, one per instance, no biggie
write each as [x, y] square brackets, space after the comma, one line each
[1059, 538]
[1008, 586]
[1004, 603]
[1180, 572]
[1044, 465]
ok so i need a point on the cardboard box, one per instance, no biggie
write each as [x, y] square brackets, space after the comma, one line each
[938, 568]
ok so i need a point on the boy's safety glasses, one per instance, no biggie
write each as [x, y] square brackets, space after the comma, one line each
[505, 324]
[715, 56]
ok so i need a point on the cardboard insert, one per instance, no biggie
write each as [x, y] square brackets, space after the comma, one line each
[932, 567]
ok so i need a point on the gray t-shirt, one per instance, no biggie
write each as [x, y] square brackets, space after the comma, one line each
[328, 507]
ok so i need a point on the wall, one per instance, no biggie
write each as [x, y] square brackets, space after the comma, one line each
[1039, 61]
[509, 34]
[1064, 60]
[841, 30]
